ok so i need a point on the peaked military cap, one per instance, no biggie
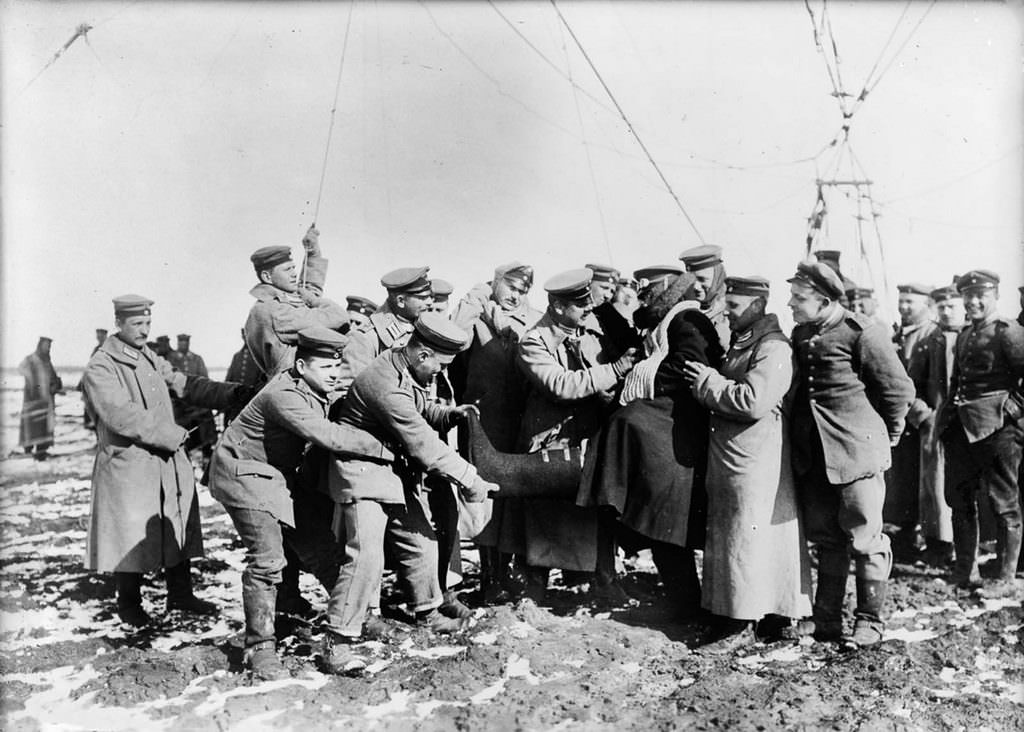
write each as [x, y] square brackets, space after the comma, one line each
[408, 280]
[515, 272]
[859, 293]
[45, 339]
[319, 340]
[914, 288]
[819, 276]
[441, 334]
[361, 305]
[184, 337]
[978, 279]
[702, 257]
[604, 273]
[441, 288]
[128, 305]
[573, 285]
[656, 273]
[269, 257]
[829, 257]
[104, 331]
[946, 292]
[755, 286]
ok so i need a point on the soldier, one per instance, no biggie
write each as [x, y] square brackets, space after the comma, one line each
[496, 314]
[617, 332]
[570, 390]
[705, 263]
[88, 413]
[936, 516]
[163, 347]
[831, 257]
[38, 414]
[409, 295]
[903, 479]
[862, 300]
[850, 402]
[359, 311]
[442, 290]
[982, 427]
[755, 559]
[144, 514]
[376, 482]
[283, 308]
[253, 474]
[202, 431]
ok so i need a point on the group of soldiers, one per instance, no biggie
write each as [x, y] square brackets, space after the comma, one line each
[701, 424]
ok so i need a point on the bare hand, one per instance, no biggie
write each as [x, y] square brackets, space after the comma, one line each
[311, 242]
[477, 492]
[463, 411]
[694, 370]
[625, 363]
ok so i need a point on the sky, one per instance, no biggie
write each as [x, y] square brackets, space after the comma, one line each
[157, 152]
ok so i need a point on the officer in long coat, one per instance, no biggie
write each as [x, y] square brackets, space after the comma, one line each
[755, 556]
[982, 427]
[851, 397]
[570, 388]
[144, 514]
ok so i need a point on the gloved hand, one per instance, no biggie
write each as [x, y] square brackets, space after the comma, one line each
[463, 411]
[243, 394]
[311, 242]
[625, 363]
[477, 492]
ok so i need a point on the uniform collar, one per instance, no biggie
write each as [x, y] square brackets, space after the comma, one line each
[126, 354]
[301, 385]
[761, 327]
[401, 363]
[264, 292]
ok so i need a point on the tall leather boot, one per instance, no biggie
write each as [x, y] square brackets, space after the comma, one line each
[289, 599]
[965, 541]
[830, 595]
[260, 655]
[129, 599]
[1008, 541]
[868, 624]
[179, 591]
[678, 571]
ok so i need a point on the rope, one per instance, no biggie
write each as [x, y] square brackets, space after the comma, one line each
[629, 125]
[334, 108]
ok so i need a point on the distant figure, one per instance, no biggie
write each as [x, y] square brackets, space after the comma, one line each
[197, 420]
[37, 412]
[243, 370]
[88, 411]
[359, 311]
[162, 346]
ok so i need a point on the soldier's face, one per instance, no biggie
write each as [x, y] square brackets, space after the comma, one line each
[808, 305]
[865, 306]
[411, 306]
[134, 329]
[427, 364]
[320, 373]
[282, 276]
[951, 312]
[601, 292]
[702, 287]
[913, 307]
[742, 311]
[440, 306]
[571, 313]
[508, 295]
[980, 303]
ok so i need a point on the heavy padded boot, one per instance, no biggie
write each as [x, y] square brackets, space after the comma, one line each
[1008, 539]
[260, 657]
[129, 599]
[828, 606]
[868, 625]
[678, 571]
[339, 656]
[965, 542]
[179, 592]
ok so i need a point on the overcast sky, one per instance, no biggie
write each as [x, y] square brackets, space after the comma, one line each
[158, 152]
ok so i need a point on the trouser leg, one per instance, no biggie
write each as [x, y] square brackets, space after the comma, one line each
[678, 570]
[129, 590]
[604, 573]
[961, 491]
[358, 585]
[312, 543]
[1000, 456]
[412, 540]
[444, 515]
[261, 535]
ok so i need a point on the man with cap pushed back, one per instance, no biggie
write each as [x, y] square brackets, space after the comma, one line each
[982, 428]
[38, 414]
[253, 474]
[756, 566]
[284, 305]
[851, 397]
[617, 332]
[376, 481]
[496, 314]
[903, 479]
[570, 389]
[705, 263]
[409, 295]
[359, 311]
[442, 291]
[144, 513]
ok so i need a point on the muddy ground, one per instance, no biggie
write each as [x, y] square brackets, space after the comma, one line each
[950, 661]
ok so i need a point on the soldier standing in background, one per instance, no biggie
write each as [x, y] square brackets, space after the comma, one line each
[982, 427]
[88, 413]
[903, 479]
[359, 311]
[849, 405]
[705, 263]
[243, 370]
[617, 332]
[38, 416]
[202, 430]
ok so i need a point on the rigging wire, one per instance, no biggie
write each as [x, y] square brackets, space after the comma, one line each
[629, 125]
[80, 32]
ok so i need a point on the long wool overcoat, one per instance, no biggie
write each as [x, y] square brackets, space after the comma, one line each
[755, 557]
[143, 514]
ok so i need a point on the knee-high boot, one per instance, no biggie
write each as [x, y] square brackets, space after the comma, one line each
[678, 571]
[179, 591]
[965, 542]
[830, 594]
[129, 599]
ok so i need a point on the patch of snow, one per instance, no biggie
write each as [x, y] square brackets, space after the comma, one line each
[630, 668]
[437, 651]
[485, 639]
[217, 699]
[521, 629]
[574, 662]
[399, 702]
[909, 636]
